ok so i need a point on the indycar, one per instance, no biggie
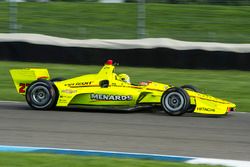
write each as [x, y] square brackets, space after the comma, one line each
[107, 90]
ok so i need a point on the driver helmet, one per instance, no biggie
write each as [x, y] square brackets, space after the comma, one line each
[124, 77]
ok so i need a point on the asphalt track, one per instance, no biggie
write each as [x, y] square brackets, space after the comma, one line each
[146, 132]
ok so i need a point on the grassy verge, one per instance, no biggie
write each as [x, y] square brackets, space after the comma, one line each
[96, 20]
[48, 160]
[227, 84]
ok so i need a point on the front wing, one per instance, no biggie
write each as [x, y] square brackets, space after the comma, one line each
[206, 104]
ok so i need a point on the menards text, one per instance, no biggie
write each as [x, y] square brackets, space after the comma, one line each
[111, 97]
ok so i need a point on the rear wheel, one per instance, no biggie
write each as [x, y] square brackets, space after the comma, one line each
[57, 79]
[175, 101]
[41, 95]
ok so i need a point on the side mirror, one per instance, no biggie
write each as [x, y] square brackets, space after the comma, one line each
[104, 83]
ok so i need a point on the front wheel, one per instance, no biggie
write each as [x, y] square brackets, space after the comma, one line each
[191, 87]
[175, 101]
[41, 95]
[194, 89]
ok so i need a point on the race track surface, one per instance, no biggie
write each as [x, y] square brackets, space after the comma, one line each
[145, 132]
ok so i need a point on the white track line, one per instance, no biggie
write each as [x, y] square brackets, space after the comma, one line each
[224, 162]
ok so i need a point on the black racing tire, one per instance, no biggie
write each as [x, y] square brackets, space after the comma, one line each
[175, 101]
[57, 79]
[191, 87]
[41, 95]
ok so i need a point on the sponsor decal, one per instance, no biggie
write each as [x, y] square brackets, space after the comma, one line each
[69, 91]
[62, 101]
[108, 97]
[78, 84]
[205, 109]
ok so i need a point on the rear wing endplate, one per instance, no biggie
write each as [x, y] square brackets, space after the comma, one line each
[22, 78]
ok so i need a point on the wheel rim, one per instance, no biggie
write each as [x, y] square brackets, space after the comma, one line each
[174, 101]
[40, 95]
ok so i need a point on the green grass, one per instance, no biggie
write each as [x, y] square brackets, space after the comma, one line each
[229, 24]
[52, 160]
[231, 85]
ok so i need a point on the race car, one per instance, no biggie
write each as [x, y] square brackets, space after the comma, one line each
[108, 90]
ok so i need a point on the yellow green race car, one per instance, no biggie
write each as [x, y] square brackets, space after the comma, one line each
[107, 90]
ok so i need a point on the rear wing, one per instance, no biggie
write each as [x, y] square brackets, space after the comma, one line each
[22, 78]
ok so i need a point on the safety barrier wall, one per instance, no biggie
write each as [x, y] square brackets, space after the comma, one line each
[160, 53]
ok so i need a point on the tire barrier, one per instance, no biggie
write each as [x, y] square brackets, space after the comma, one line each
[148, 56]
